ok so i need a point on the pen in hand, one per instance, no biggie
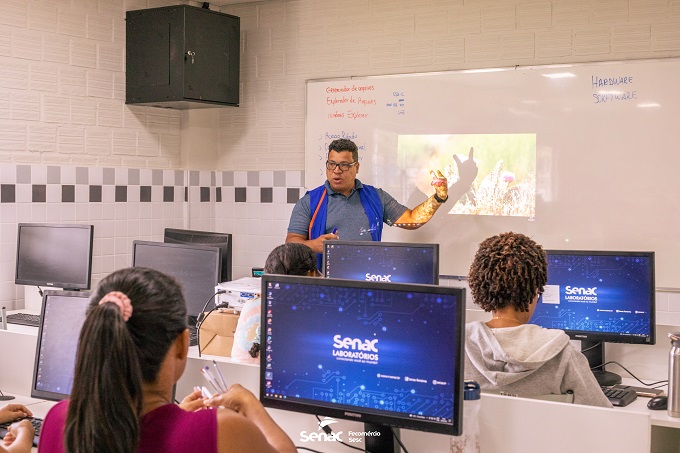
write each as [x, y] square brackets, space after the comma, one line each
[219, 374]
[211, 379]
[335, 231]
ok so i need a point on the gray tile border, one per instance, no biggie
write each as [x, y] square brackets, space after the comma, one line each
[156, 177]
[279, 178]
[23, 174]
[133, 176]
[227, 178]
[53, 175]
[108, 176]
[253, 178]
[82, 175]
[120, 184]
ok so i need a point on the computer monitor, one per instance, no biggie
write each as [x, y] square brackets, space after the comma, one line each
[58, 256]
[221, 240]
[599, 297]
[379, 353]
[63, 315]
[197, 267]
[395, 262]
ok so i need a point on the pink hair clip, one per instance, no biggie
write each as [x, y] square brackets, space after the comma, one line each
[121, 300]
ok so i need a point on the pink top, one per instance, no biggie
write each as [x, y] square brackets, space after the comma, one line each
[167, 429]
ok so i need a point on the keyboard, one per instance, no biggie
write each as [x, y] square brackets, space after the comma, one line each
[24, 319]
[36, 422]
[619, 397]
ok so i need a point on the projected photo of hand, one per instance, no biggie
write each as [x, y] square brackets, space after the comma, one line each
[494, 175]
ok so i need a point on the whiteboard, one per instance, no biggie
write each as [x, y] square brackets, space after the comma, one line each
[605, 156]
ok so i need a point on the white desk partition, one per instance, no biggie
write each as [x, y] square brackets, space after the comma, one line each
[17, 344]
[510, 424]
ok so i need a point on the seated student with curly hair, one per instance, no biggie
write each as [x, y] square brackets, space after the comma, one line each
[505, 353]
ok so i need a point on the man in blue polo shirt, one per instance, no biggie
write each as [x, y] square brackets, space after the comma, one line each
[343, 205]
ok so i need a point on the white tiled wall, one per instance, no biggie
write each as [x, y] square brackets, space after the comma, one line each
[62, 90]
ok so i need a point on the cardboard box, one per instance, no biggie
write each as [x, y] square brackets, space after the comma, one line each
[216, 336]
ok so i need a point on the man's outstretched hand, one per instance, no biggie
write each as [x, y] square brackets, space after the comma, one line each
[440, 184]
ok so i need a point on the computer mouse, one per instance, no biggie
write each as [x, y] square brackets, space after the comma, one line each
[658, 403]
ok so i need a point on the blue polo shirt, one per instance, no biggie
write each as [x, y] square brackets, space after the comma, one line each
[344, 213]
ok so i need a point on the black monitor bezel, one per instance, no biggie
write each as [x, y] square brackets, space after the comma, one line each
[359, 415]
[20, 280]
[191, 246]
[43, 394]
[226, 270]
[433, 246]
[615, 337]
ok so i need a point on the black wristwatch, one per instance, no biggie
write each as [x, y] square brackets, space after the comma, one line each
[440, 200]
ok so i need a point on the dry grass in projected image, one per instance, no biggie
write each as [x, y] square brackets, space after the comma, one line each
[505, 184]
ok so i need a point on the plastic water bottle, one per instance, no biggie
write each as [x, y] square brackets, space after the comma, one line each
[674, 375]
[468, 441]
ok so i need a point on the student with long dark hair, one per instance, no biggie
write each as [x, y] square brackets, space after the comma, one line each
[132, 350]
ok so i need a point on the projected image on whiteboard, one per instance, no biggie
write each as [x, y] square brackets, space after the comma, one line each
[505, 184]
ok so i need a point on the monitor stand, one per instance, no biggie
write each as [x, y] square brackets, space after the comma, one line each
[594, 352]
[383, 443]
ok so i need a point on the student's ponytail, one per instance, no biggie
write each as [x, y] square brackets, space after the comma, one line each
[116, 355]
[106, 400]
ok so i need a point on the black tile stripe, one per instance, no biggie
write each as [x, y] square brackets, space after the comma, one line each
[55, 177]
[168, 194]
[121, 194]
[293, 195]
[95, 194]
[205, 194]
[266, 195]
[7, 193]
[68, 193]
[240, 194]
[145, 194]
[39, 193]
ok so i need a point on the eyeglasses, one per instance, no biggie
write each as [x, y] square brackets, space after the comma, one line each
[344, 166]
